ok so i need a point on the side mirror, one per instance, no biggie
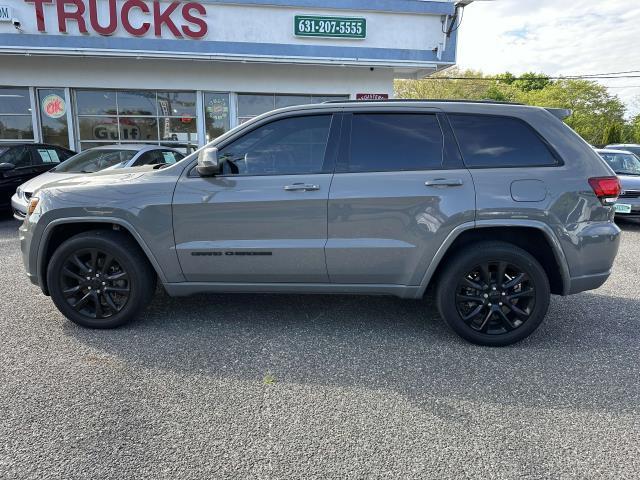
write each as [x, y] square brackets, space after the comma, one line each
[5, 167]
[208, 162]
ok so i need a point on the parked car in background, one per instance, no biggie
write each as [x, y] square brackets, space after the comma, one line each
[20, 162]
[627, 147]
[91, 161]
[627, 167]
[495, 206]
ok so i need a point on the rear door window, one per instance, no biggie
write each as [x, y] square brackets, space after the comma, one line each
[493, 142]
[382, 142]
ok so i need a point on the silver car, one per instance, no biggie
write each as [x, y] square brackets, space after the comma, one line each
[627, 166]
[494, 206]
[90, 161]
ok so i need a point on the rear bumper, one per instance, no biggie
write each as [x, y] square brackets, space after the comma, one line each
[591, 249]
[587, 282]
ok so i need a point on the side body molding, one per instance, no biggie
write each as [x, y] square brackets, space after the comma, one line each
[455, 233]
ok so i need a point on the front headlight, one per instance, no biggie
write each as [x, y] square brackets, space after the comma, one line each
[33, 204]
[19, 192]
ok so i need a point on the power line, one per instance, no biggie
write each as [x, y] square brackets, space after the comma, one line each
[609, 73]
[565, 77]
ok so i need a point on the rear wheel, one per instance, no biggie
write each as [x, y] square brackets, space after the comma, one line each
[100, 279]
[493, 294]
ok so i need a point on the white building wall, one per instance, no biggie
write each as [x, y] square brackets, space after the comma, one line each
[131, 73]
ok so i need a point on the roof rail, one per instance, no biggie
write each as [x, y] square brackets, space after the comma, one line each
[424, 100]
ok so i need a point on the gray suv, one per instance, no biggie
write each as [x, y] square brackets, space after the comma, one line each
[495, 206]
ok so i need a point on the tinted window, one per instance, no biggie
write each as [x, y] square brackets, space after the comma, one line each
[289, 146]
[488, 141]
[387, 142]
[18, 156]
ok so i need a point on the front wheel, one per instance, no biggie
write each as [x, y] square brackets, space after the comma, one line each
[493, 294]
[100, 279]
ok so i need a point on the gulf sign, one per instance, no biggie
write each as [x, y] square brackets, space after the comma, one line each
[137, 17]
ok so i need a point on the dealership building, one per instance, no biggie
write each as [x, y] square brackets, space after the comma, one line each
[81, 73]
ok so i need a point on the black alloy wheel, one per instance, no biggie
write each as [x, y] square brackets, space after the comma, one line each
[95, 283]
[495, 297]
[493, 293]
[100, 279]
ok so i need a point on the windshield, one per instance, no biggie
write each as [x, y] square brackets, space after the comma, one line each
[91, 161]
[623, 163]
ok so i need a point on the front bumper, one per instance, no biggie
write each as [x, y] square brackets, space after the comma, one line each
[19, 207]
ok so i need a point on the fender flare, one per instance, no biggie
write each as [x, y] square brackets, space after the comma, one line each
[558, 253]
[46, 236]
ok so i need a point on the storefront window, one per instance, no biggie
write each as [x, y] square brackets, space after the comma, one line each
[53, 116]
[137, 103]
[251, 105]
[217, 119]
[15, 114]
[137, 116]
[176, 103]
[102, 102]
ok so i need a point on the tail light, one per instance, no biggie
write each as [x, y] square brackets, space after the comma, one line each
[607, 189]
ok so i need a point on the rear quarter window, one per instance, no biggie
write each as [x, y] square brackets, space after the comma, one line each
[494, 142]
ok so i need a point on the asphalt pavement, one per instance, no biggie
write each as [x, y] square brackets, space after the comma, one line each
[278, 387]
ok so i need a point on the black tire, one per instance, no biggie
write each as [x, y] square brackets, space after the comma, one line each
[117, 292]
[498, 316]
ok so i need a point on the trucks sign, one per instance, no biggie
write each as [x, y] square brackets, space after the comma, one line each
[182, 19]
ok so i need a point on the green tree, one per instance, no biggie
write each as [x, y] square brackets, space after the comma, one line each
[528, 82]
[634, 136]
[612, 134]
[593, 106]
[467, 85]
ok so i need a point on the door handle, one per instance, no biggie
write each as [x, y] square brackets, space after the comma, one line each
[301, 187]
[444, 182]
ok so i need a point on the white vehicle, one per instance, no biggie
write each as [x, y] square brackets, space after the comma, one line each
[91, 161]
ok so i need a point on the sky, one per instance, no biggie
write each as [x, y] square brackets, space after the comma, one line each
[556, 37]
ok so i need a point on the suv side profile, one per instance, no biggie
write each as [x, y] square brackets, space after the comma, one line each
[495, 206]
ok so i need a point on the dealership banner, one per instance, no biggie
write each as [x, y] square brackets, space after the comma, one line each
[399, 33]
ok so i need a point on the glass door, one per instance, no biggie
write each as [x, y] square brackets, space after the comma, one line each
[53, 116]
